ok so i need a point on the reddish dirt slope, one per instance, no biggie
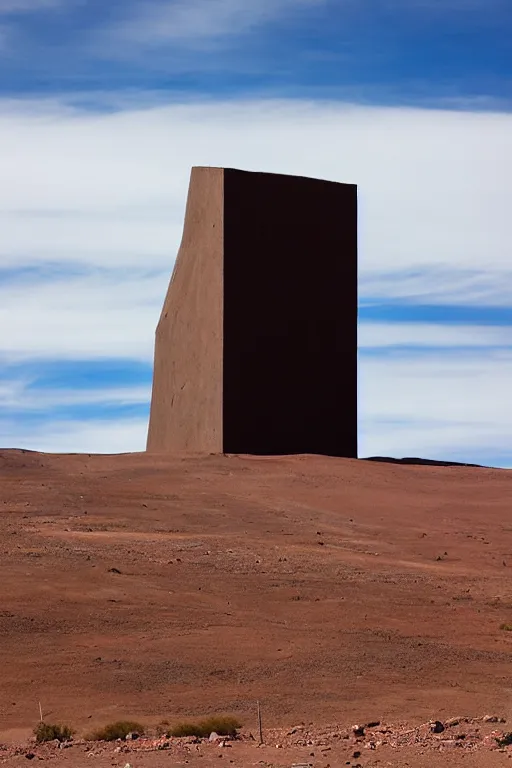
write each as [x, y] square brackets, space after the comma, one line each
[331, 590]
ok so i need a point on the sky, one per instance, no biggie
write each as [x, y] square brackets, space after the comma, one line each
[104, 108]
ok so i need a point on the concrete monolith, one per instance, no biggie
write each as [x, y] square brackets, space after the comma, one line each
[256, 347]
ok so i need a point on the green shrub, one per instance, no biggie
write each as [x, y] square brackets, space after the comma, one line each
[506, 627]
[46, 732]
[223, 725]
[505, 740]
[118, 730]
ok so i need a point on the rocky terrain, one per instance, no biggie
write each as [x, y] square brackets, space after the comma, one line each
[458, 740]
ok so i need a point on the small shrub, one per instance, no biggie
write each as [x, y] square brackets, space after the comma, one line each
[185, 729]
[47, 732]
[118, 730]
[505, 740]
[162, 728]
[223, 725]
[506, 627]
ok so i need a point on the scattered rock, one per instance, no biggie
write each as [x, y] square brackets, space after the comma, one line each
[114, 570]
[452, 722]
[213, 736]
[164, 745]
[424, 738]
[448, 743]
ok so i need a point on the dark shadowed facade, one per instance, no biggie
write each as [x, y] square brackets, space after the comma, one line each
[256, 347]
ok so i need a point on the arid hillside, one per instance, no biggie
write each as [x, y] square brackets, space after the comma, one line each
[328, 589]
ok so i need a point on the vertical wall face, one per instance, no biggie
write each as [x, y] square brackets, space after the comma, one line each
[256, 348]
[186, 406]
[290, 315]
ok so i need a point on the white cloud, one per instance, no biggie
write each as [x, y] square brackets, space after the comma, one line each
[194, 21]
[435, 187]
[89, 317]
[21, 395]
[436, 407]
[440, 286]
[124, 238]
[382, 335]
[101, 436]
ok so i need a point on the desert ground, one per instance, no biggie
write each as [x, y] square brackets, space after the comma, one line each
[335, 592]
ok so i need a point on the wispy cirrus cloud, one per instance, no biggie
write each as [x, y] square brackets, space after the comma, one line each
[97, 315]
[22, 394]
[452, 406]
[108, 189]
[123, 434]
[379, 336]
[196, 21]
[26, 6]
[445, 285]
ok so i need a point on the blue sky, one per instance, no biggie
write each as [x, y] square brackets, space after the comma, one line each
[105, 106]
[379, 51]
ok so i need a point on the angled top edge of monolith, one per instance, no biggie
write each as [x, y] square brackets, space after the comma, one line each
[298, 178]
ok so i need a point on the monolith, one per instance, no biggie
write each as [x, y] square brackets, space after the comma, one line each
[256, 347]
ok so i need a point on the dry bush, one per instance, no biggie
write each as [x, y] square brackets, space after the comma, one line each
[118, 730]
[223, 725]
[51, 732]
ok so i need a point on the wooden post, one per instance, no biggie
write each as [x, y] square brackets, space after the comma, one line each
[40, 713]
[259, 724]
